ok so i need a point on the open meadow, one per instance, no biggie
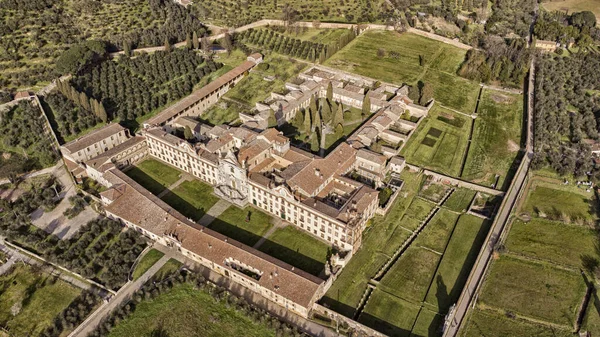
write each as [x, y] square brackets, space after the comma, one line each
[573, 6]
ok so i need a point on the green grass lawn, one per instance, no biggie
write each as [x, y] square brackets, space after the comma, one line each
[410, 276]
[153, 175]
[433, 191]
[232, 223]
[460, 199]
[493, 324]
[147, 261]
[381, 238]
[437, 232]
[185, 311]
[416, 213]
[297, 248]
[31, 300]
[192, 198]
[496, 138]
[455, 266]
[401, 65]
[535, 290]
[429, 323]
[171, 266]
[559, 202]
[591, 321]
[448, 149]
[319, 35]
[389, 314]
[553, 241]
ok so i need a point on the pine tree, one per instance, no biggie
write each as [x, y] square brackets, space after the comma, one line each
[84, 101]
[187, 133]
[326, 112]
[338, 118]
[298, 119]
[339, 131]
[366, 106]
[195, 41]
[307, 121]
[313, 104]
[329, 92]
[102, 112]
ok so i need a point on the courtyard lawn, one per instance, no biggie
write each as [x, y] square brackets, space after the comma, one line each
[553, 241]
[294, 246]
[416, 213]
[232, 223]
[493, 324]
[192, 198]
[411, 275]
[186, 311]
[512, 284]
[153, 175]
[553, 200]
[429, 323]
[31, 300]
[171, 266]
[389, 314]
[437, 232]
[496, 139]
[455, 266]
[460, 199]
[440, 142]
[380, 239]
[400, 64]
[147, 261]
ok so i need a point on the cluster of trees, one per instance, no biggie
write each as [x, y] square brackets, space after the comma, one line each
[133, 87]
[151, 290]
[70, 117]
[560, 27]
[421, 94]
[81, 56]
[504, 61]
[78, 203]
[24, 128]
[566, 113]
[308, 50]
[74, 314]
[511, 16]
[43, 195]
[178, 20]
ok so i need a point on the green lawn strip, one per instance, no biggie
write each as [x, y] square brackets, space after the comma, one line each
[191, 198]
[317, 35]
[232, 223]
[147, 261]
[452, 91]
[429, 323]
[591, 320]
[168, 268]
[389, 314]
[456, 264]
[496, 138]
[185, 311]
[36, 298]
[460, 199]
[437, 232]
[444, 153]
[410, 276]
[153, 175]
[559, 202]
[534, 290]
[449, 60]
[381, 239]
[297, 248]
[433, 192]
[416, 213]
[493, 324]
[564, 244]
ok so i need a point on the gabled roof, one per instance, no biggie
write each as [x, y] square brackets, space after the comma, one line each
[93, 137]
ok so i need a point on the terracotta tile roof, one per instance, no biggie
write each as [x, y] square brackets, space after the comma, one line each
[249, 152]
[100, 160]
[371, 156]
[93, 137]
[199, 94]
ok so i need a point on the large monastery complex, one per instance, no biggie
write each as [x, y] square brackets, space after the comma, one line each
[254, 165]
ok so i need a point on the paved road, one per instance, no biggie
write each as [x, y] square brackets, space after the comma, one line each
[122, 295]
[471, 289]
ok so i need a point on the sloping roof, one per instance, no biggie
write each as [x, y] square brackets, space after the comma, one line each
[101, 159]
[93, 137]
[371, 156]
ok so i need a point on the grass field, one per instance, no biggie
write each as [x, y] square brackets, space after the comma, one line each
[171, 266]
[493, 324]
[410, 276]
[185, 311]
[153, 175]
[192, 198]
[428, 324]
[232, 223]
[437, 232]
[449, 146]
[455, 266]
[460, 199]
[556, 201]
[383, 237]
[416, 213]
[401, 65]
[573, 6]
[512, 284]
[147, 261]
[320, 35]
[553, 241]
[389, 314]
[591, 321]
[297, 248]
[496, 138]
[30, 300]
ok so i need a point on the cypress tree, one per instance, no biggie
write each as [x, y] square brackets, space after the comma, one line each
[316, 120]
[307, 121]
[102, 112]
[187, 133]
[338, 118]
[330, 92]
[188, 41]
[195, 41]
[366, 106]
[167, 45]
